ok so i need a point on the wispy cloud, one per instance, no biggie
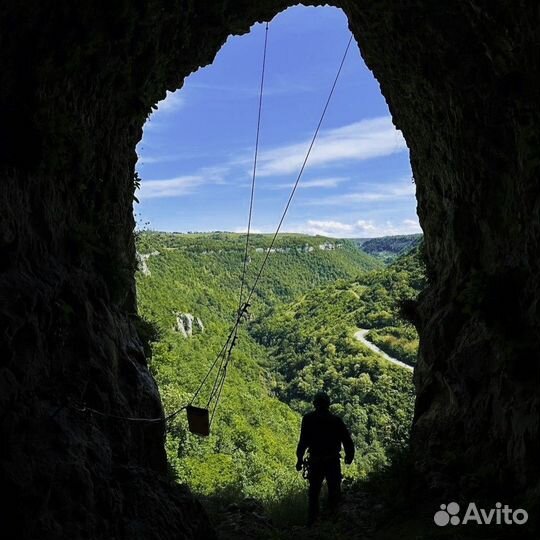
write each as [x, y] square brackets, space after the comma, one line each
[359, 141]
[279, 87]
[361, 228]
[170, 187]
[327, 228]
[181, 185]
[403, 189]
[252, 230]
[173, 102]
[151, 160]
[152, 155]
[362, 140]
[322, 183]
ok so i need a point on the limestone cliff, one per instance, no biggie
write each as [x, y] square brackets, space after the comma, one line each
[187, 324]
[142, 264]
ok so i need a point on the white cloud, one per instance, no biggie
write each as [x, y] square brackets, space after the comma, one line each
[147, 157]
[389, 228]
[402, 189]
[365, 226]
[148, 160]
[180, 185]
[361, 228]
[358, 141]
[323, 183]
[251, 231]
[412, 223]
[173, 101]
[362, 140]
[328, 228]
[281, 86]
[171, 187]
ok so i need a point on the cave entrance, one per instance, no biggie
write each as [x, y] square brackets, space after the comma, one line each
[196, 153]
[78, 83]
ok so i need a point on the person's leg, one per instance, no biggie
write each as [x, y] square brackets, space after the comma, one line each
[316, 476]
[333, 480]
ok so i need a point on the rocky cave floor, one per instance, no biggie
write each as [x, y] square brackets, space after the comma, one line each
[357, 518]
[363, 515]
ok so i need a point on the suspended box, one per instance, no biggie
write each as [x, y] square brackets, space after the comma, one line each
[198, 420]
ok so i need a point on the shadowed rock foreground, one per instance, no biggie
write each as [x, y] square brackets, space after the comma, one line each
[77, 84]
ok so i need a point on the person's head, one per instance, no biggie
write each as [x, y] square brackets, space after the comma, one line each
[321, 401]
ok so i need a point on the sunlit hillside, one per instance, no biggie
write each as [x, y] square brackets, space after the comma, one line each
[300, 338]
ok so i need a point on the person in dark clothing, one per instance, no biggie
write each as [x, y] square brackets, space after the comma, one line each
[323, 434]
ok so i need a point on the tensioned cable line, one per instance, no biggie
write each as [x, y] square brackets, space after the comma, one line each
[222, 367]
[231, 339]
[223, 376]
[252, 195]
[291, 196]
[130, 418]
[286, 209]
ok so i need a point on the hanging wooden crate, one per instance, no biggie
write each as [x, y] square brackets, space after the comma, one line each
[198, 420]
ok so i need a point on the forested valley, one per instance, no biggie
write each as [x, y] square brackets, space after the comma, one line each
[315, 293]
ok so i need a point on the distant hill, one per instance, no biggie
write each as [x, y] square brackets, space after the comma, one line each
[388, 248]
[204, 261]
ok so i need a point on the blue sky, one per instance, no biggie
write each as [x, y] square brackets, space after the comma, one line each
[196, 154]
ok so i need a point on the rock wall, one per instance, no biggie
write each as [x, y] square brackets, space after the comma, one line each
[77, 84]
[187, 324]
[142, 265]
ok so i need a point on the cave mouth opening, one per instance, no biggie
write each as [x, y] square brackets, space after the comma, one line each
[457, 78]
[195, 154]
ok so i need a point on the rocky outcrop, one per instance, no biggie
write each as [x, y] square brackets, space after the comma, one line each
[298, 249]
[187, 324]
[141, 258]
[329, 246]
[78, 81]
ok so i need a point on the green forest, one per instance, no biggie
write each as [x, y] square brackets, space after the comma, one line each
[314, 294]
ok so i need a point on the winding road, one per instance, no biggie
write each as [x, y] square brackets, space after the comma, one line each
[361, 334]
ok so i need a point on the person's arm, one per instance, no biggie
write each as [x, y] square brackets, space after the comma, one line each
[347, 442]
[302, 445]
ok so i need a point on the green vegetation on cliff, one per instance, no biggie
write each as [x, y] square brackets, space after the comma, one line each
[314, 293]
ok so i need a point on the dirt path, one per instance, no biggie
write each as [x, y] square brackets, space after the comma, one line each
[361, 334]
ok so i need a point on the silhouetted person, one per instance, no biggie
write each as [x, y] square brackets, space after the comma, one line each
[322, 434]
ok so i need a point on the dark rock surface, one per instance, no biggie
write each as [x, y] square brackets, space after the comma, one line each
[358, 517]
[77, 83]
[245, 519]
